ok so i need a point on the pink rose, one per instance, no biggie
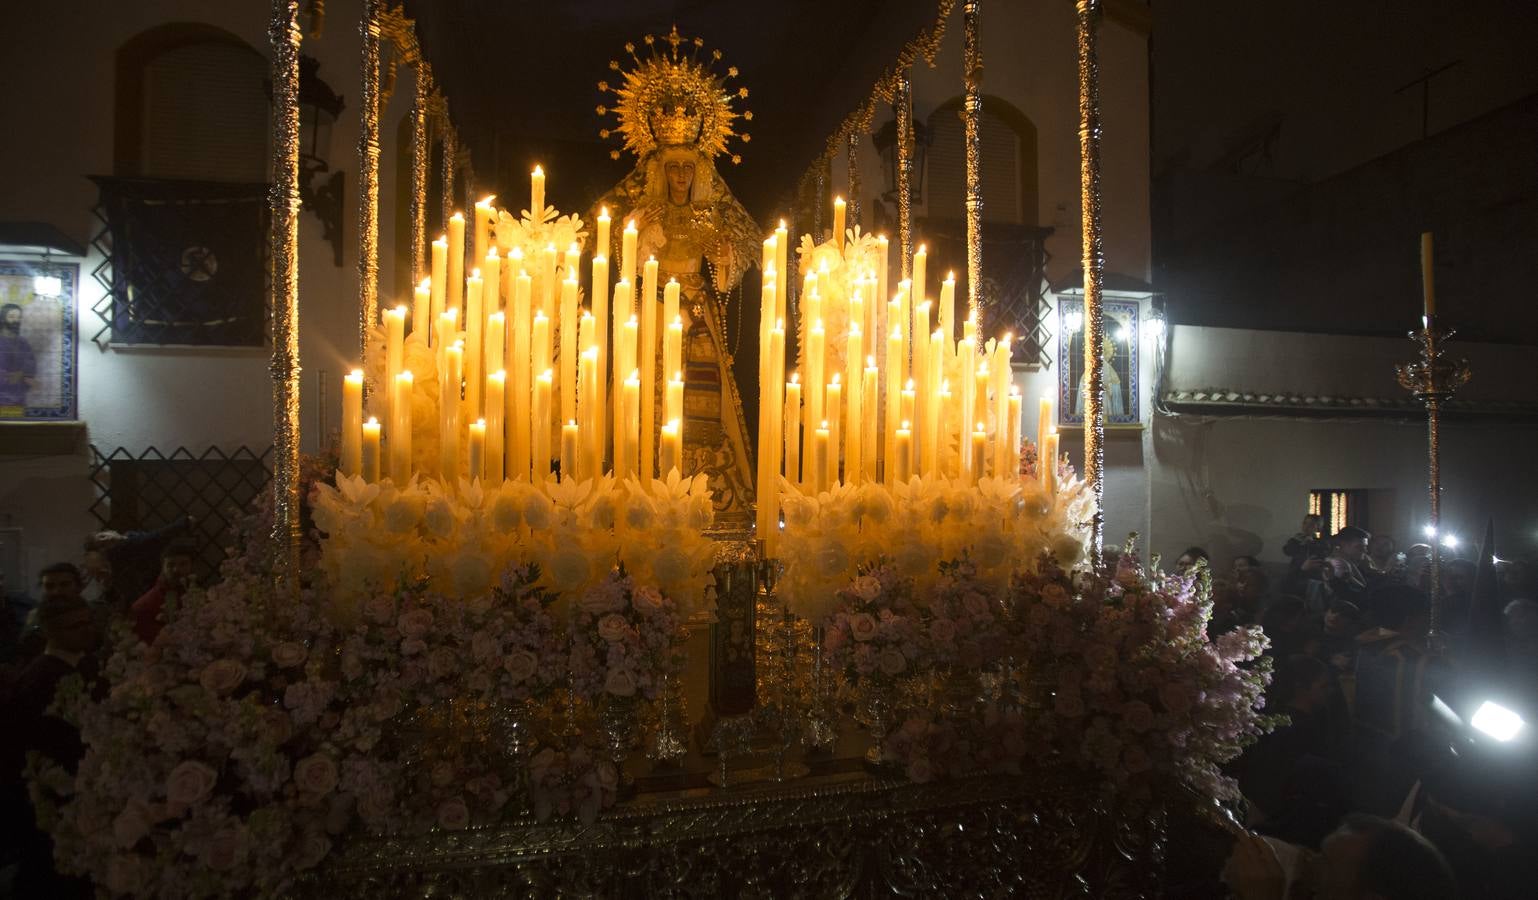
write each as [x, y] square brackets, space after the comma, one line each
[413, 646]
[453, 814]
[484, 646]
[222, 676]
[620, 683]
[315, 774]
[975, 604]
[225, 850]
[602, 598]
[862, 627]
[415, 623]
[613, 628]
[892, 661]
[190, 784]
[442, 663]
[443, 774]
[379, 608]
[943, 631]
[919, 769]
[1054, 594]
[646, 599]
[520, 666]
[289, 654]
[1139, 715]
[866, 587]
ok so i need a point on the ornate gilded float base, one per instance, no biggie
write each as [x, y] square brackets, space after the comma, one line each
[846, 835]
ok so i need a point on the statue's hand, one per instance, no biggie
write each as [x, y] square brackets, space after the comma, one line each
[647, 214]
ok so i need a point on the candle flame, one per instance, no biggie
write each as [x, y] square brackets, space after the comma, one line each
[678, 376]
[924, 249]
[475, 272]
[824, 425]
[906, 425]
[835, 378]
[486, 201]
[945, 386]
[372, 421]
[457, 215]
[547, 374]
[498, 315]
[498, 375]
[600, 258]
[981, 429]
[630, 225]
[442, 239]
[538, 170]
[838, 201]
[870, 362]
[782, 225]
[950, 276]
[779, 324]
[854, 329]
[571, 423]
[479, 423]
[400, 309]
[910, 385]
[795, 378]
[426, 283]
[633, 320]
[356, 373]
[603, 212]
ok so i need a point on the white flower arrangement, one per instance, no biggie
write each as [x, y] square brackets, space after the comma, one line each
[839, 273]
[1001, 525]
[377, 535]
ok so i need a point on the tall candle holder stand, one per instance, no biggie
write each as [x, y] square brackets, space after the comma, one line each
[1432, 379]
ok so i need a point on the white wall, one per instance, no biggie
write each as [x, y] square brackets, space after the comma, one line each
[63, 74]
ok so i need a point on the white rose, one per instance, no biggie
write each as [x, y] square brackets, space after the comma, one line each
[538, 511]
[130, 825]
[568, 567]
[671, 565]
[453, 814]
[289, 654]
[190, 784]
[222, 676]
[313, 848]
[315, 774]
[403, 515]
[520, 666]
[613, 628]
[440, 519]
[506, 513]
[620, 683]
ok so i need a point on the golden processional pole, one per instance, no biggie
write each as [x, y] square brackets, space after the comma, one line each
[283, 238]
[368, 179]
[972, 111]
[1094, 264]
[852, 149]
[419, 153]
[903, 100]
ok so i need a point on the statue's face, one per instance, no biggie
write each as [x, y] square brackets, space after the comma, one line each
[679, 170]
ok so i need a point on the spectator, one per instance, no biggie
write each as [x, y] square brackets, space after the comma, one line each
[1337, 643]
[1306, 553]
[1480, 812]
[1346, 574]
[1458, 576]
[1253, 589]
[1289, 775]
[129, 560]
[1383, 558]
[72, 636]
[1286, 623]
[1189, 558]
[1366, 858]
[1242, 564]
[149, 611]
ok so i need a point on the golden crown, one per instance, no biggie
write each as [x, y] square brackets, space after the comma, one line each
[673, 98]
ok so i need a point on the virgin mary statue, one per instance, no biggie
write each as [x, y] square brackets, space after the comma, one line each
[675, 115]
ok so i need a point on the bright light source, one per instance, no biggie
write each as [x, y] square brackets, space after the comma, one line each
[1497, 721]
[1450, 541]
[49, 287]
[1122, 334]
[1153, 329]
[1429, 531]
[1073, 321]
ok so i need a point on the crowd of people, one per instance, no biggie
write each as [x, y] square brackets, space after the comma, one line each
[1348, 621]
[123, 582]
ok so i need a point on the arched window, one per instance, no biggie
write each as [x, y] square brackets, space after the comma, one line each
[192, 105]
[1007, 144]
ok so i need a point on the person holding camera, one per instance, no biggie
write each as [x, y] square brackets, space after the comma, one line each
[176, 563]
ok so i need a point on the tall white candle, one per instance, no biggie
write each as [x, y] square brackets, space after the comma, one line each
[1048, 463]
[948, 306]
[439, 280]
[627, 253]
[601, 240]
[782, 283]
[979, 453]
[537, 193]
[477, 449]
[673, 346]
[421, 308]
[670, 453]
[920, 277]
[904, 443]
[1012, 434]
[833, 406]
[854, 403]
[496, 404]
[1043, 423]
[496, 341]
[448, 414]
[456, 264]
[568, 326]
[670, 303]
[395, 336]
[936, 412]
[893, 404]
[673, 399]
[870, 409]
[485, 214]
[524, 363]
[647, 363]
[818, 464]
[838, 222]
[570, 450]
[369, 453]
[351, 462]
[632, 424]
[541, 425]
[400, 434]
[793, 429]
[474, 324]
[815, 356]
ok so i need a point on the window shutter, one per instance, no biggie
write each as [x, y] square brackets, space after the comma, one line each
[205, 114]
[946, 187]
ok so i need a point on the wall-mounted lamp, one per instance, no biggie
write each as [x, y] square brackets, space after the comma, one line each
[885, 139]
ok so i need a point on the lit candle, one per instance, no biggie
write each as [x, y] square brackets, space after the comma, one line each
[647, 363]
[816, 348]
[1013, 434]
[966, 359]
[456, 264]
[496, 401]
[590, 455]
[369, 454]
[627, 252]
[936, 413]
[854, 433]
[568, 325]
[540, 454]
[894, 345]
[601, 244]
[1003, 358]
[670, 304]
[448, 414]
[673, 345]
[491, 280]
[781, 285]
[673, 399]
[1427, 287]
[882, 269]
[831, 407]
[979, 453]
[920, 271]
[905, 415]
[950, 464]
[600, 301]
[919, 350]
[904, 444]
[569, 451]
[400, 434]
[1048, 463]
[539, 344]
[868, 416]
[1043, 423]
[485, 214]
[537, 193]
[771, 432]
[448, 333]
[948, 306]
[421, 307]
[474, 323]
[671, 451]
[793, 429]
[838, 223]
[518, 425]
[477, 448]
[980, 401]
[544, 295]
[572, 266]
[395, 336]
[439, 279]
[351, 462]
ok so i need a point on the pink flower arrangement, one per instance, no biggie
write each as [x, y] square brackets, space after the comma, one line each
[626, 639]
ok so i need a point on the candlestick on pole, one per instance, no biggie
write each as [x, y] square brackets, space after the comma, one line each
[1433, 378]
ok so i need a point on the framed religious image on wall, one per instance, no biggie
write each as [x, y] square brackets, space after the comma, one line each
[1121, 363]
[37, 341]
